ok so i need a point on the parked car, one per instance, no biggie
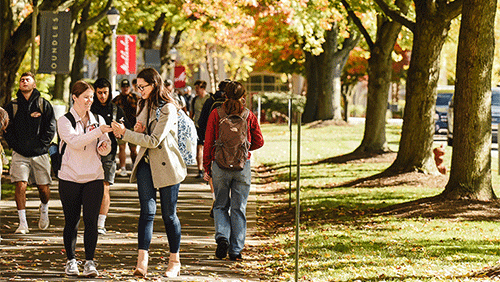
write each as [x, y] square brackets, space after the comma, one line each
[443, 99]
[495, 116]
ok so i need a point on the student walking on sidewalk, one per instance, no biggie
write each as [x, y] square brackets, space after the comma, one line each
[81, 177]
[32, 126]
[159, 166]
[228, 166]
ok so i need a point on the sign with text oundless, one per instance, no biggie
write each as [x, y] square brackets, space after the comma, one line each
[126, 54]
[55, 30]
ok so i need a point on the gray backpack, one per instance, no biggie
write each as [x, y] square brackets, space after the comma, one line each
[232, 145]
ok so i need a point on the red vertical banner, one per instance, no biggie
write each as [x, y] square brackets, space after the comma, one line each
[180, 77]
[126, 54]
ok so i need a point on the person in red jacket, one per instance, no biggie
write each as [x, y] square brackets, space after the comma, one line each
[231, 187]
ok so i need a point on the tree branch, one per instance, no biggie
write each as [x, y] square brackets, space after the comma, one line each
[454, 9]
[358, 23]
[396, 15]
[90, 22]
[153, 35]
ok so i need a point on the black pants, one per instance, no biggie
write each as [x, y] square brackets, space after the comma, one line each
[73, 195]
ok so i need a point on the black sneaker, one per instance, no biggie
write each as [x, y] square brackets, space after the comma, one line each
[235, 257]
[222, 246]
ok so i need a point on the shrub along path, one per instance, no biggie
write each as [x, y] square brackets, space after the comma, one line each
[40, 255]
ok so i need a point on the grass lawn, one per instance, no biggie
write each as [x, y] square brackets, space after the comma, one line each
[340, 239]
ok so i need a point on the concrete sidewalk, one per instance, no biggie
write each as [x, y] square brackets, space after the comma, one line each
[40, 256]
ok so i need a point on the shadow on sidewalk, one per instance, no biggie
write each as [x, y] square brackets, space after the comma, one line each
[40, 256]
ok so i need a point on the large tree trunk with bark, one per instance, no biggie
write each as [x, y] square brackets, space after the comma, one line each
[379, 83]
[80, 48]
[415, 148]
[323, 78]
[470, 176]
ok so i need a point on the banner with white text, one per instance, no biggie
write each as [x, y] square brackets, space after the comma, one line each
[126, 54]
[55, 31]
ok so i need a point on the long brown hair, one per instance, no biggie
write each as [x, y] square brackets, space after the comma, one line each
[159, 92]
[235, 94]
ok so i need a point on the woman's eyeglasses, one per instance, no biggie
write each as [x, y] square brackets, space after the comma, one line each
[140, 87]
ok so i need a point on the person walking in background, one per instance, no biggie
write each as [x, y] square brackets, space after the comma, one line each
[176, 94]
[159, 166]
[196, 107]
[231, 180]
[213, 102]
[81, 177]
[127, 100]
[31, 129]
[188, 97]
[109, 111]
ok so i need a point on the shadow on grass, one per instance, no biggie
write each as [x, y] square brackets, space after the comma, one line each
[439, 207]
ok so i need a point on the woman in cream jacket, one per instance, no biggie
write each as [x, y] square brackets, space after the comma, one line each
[159, 166]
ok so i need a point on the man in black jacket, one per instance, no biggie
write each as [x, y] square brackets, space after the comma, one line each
[103, 106]
[31, 129]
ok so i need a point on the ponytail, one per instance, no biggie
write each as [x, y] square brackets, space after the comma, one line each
[235, 94]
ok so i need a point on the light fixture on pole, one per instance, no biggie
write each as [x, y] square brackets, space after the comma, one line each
[113, 19]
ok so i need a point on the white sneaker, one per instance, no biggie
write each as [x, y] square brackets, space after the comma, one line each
[123, 172]
[101, 230]
[44, 221]
[22, 229]
[72, 268]
[89, 269]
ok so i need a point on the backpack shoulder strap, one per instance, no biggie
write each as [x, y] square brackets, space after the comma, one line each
[14, 107]
[71, 119]
[40, 104]
[222, 114]
[245, 113]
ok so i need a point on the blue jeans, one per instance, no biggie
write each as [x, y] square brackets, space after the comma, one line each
[231, 190]
[168, 200]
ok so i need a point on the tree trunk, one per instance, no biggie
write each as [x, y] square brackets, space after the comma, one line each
[209, 64]
[104, 63]
[15, 49]
[15, 44]
[470, 176]
[379, 83]
[415, 148]
[323, 78]
[80, 48]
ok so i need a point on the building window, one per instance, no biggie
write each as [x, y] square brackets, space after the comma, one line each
[266, 83]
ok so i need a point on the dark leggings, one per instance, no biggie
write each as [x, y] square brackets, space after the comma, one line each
[73, 195]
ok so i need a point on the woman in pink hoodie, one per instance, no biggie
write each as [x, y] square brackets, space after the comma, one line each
[81, 177]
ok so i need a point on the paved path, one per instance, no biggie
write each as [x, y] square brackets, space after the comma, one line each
[39, 255]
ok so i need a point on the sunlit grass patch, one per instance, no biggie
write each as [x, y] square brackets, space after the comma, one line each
[340, 238]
